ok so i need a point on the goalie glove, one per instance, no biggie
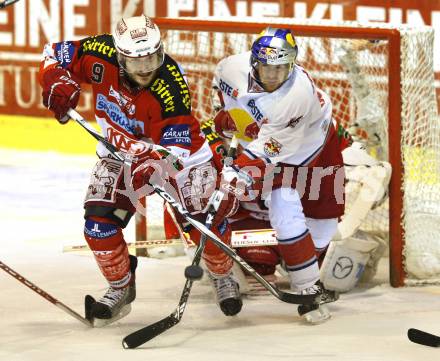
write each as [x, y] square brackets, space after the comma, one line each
[61, 91]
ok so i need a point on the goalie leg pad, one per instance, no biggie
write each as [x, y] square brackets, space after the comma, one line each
[105, 239]
[345, 262]
[367, 187]
[322, 231]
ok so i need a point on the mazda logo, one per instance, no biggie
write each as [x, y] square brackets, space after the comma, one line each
[342, 267]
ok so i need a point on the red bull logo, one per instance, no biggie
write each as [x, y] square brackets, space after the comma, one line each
[268, 53]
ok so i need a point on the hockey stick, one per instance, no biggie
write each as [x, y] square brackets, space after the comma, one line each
[192, 273]
[146, 333]
[44, 294]
[423, 338]
[140, 245]
[281, 295]
[5, 3]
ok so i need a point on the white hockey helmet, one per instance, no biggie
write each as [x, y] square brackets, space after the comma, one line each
[138, 45]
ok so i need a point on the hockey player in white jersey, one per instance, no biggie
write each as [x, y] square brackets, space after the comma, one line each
[352, 255]
[284, 124]
[367, 178]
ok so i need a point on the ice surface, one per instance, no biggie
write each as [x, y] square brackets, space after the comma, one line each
[41, 210]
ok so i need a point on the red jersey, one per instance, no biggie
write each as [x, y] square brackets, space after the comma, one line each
[160, 113]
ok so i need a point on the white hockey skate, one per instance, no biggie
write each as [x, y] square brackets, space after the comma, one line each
[317, 313]
[228, 294]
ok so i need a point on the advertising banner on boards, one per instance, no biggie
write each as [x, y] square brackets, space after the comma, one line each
[27, 25]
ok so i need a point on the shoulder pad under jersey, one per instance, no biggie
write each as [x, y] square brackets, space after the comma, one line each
[100, 46]
[171, 90]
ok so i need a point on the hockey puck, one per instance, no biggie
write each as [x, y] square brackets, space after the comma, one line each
[193, 272]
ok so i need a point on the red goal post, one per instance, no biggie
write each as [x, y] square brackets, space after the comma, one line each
[395, 64]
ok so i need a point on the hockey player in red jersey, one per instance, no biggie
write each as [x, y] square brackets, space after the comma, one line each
[140, 96]
[284, 125]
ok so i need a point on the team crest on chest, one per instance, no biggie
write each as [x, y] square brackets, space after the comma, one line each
[272, 147]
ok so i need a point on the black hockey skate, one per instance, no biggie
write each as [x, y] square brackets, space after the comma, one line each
[317, 313]
[228, 294]
[115, 304]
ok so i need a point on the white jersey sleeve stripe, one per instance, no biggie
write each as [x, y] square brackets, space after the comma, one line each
[254, 156]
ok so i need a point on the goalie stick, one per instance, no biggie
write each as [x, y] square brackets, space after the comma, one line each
[44, 294]
[423, 338]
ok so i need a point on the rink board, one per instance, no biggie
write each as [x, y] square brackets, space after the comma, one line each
[44, 134]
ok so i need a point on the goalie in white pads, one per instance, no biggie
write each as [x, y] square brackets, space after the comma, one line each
[353, 255]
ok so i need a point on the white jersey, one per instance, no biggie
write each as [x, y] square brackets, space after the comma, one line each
[289, 125]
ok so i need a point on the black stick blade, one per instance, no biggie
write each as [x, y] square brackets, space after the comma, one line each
[88, 303]
[147, 333]
[423, 338]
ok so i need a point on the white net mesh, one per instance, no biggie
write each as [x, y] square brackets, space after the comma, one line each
[421, 157]
[354, 72]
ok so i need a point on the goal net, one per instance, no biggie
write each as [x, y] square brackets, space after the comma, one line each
[381, 83]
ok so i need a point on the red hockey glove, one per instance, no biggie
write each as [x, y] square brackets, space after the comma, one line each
[238, 182]
[225, 204]
[153, 166]
[224, 124]
[61, 91]
[234, 187]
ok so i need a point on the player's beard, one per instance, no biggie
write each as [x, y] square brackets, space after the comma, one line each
[143, 80]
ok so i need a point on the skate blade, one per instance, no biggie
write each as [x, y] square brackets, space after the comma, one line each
[102, 322]
[317, 316]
